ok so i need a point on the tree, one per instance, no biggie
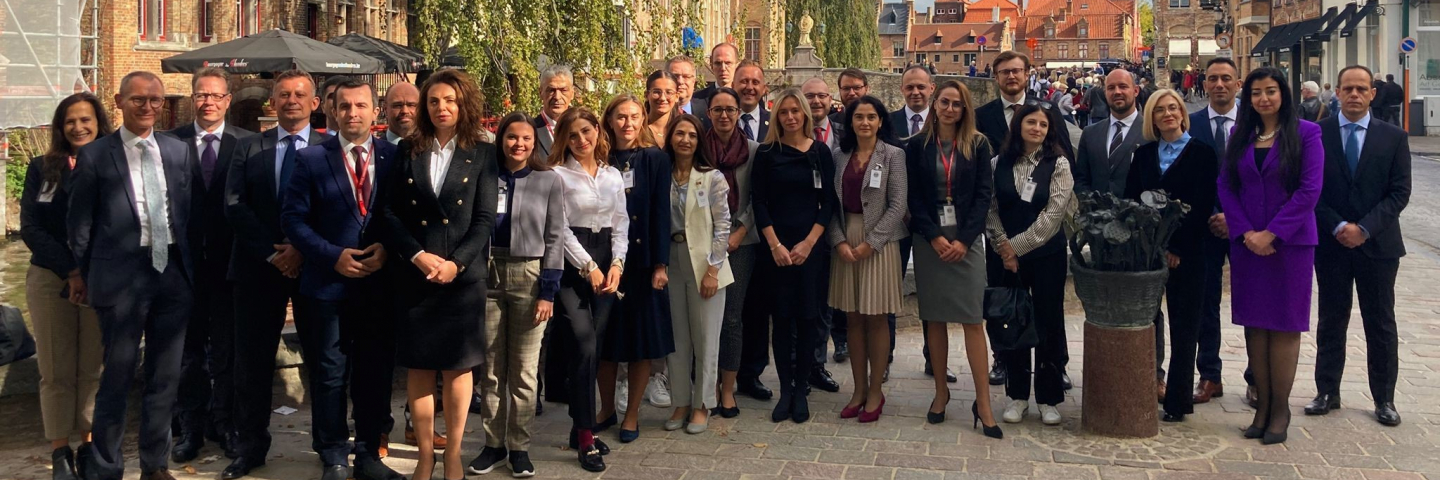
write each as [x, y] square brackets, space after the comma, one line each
[851, 37]
[1147, 24]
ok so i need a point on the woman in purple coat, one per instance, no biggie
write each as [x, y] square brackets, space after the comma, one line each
[1268, 188]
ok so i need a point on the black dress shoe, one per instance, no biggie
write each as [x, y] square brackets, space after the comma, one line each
[62, 462]
[367, 468]
[1172, 418]
[336, 472]
[187, 448]
[240, 468]
[599, 445]
[1385, 413]
[723, 412]
[998, 374]
[232, 445]
[1323, 404]
[82, 460]
[842, 352]
[752, 388]
[821, 379]
[800, 408]
[1065, 381]
[592, 461]
[949, 375]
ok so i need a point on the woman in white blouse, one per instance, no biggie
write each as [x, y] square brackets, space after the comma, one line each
[700, 236]
[595, 212]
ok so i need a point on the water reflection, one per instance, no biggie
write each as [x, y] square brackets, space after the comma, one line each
[14, 261]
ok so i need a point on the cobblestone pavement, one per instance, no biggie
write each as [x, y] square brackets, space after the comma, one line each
[1347, 444]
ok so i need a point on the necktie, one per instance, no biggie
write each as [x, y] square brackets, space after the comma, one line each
[914, 124]
[1014, 109]
[819, 132]
[287, 165]
[1220, 133]
[745, 126]
[159, 225]
[1118, 138]
[207, 158]
[1352, 146]
[361, 178]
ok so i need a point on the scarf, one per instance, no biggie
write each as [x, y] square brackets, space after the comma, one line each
[728, 156]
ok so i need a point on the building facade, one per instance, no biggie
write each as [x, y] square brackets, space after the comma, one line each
[1185, 34]
[896, 21]
[1252, 22]
[762, 31]
[951, 48]
[1079, 32]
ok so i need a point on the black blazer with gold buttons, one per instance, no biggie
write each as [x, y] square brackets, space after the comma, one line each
[456, 224]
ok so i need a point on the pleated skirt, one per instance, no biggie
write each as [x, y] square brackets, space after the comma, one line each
[870, 286]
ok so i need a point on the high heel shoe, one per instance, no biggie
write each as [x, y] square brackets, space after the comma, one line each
[1272, 438]
[1254, 432]
[935, 418]
[852, 412]
[992, 431]
[867, 417]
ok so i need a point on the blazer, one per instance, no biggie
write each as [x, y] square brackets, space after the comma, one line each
[543, 140]
[1097, 169]
[103, 223]
[1374, 195]
[321, 218]
[1263, 203]
[764, 123]
[883, 204]
[900, 126]
[701, 224]
[252, 204]
[990, 120]
[210, 233]
[744, 213]
[1187, 180]
[972, 183]
[1201, 130]
[43, 207]
[648, 203]
[416, 219]
[537, 217]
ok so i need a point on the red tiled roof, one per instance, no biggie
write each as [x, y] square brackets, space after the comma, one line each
[1105, 18]
[981, 11]
[954, 36]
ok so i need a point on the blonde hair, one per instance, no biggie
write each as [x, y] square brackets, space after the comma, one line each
[1152, 129]
[646, 138]
[776, 130]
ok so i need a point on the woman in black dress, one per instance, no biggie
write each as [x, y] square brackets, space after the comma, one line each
[642, 331]
[793, 198]
[439, 213]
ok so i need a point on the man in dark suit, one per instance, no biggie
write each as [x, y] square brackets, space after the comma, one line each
[402, 103]
[755, 346]
[130, 204]
[724, 61]
[750, 84]
[203, 409]
[852, 84]
[557, 90]
[1106, 147]
[345, 324]
[993, 121]
[1367, 185]
[915, 85]
[683, 69]
[1211, 126]
[264, 266]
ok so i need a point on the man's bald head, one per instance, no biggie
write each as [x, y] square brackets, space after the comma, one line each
[817, 96]
[1120, 92]
[402, 102]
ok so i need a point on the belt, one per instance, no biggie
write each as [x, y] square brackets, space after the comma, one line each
[678, 237]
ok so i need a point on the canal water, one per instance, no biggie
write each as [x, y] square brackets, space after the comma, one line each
[14, 261]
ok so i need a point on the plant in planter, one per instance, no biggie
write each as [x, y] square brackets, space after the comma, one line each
[1121, 281]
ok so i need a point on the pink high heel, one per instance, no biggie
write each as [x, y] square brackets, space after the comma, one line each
[867, 417]
[851, 412]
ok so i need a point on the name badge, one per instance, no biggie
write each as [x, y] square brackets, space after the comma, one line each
[1027, 193]
[500, 207]
[47, 193]
[816, 175]
[874, 178]
[701, 199]
[947, 215]
[629, 176]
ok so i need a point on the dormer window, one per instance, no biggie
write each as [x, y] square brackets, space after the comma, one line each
[1084, 28]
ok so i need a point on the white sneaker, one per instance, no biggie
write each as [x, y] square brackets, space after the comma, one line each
[622, 394]
[658, 391]
[1049, 415]
[1015, 412]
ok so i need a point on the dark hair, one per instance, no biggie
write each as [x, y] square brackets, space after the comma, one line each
[1390, 77]
[562, 136]
[1355, 67]
[1014, 144]
[848, 140]
[57, 157]
[1248, 125]
[535, 162]
[854, 73]
[702, 161]
[650, 82]
[352, 83]
[1009, 55]
[727, 91]
[333, 81]
[1224, 60]
[467, 119]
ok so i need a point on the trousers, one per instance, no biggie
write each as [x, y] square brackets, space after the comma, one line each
[696, 322]
[69, 353]
[512, 353]
[1337, 271]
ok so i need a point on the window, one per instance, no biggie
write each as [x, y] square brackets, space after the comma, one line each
[312, 20]
[1040, 51]
[970, 58]
[1084, 29]
[1064, 51]
[957, 58]
[342, 17]
[1049, 31]
[207, 31]
[919, 58]
[1084, 6]
[1082, 50]
[1104, 50]
[752, 43]
[953, 11]
[937, 58]
[247, 20]
[899, 49]
[154, 20]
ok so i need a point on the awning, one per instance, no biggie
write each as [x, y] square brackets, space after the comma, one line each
[1298, 34]
[1065, 64]
[1324, 22]
[1181, 48]
[1358, 17]
[1336, 22]
[1267, 42]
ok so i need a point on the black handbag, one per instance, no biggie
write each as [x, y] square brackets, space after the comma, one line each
[15, 341]
[1010, 315]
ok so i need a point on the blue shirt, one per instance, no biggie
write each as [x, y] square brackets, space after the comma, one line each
[280, 147]
[549, 277]
[1364, 124]
[1170, 151]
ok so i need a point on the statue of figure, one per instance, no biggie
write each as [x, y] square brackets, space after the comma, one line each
[806, 24]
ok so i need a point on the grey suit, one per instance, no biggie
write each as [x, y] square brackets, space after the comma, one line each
[884, 205]
[534, 229]
[1096, 168]
[543, 140]
[744, 214]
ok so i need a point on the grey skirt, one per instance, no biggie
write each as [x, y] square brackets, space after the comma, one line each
[950, 292]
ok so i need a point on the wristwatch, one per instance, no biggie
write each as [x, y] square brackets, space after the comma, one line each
[589, 267]
[618, 263]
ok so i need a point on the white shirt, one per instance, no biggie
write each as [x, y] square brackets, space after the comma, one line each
[1230, 122]
[754, 123]
[1129, 122]
[910, 114]
[369, 147]
[391, 137]
[133, 156]
[219, 132]
[440, 162]
[1010, 114]
[594, 203]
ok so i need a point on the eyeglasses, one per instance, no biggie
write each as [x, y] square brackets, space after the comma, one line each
[726, 111]
[209, 97]
[1018, 72]
[155, 102]
[852, 88]
[817, 96]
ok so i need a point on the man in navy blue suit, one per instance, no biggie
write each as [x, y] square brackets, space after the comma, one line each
[129, 221]
[343, 324]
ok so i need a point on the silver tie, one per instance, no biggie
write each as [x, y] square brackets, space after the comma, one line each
[154, 208]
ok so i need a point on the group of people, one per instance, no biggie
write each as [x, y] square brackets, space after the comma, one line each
[694, 231]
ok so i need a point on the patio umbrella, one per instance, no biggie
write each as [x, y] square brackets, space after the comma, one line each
[396, 57]
[273, 51]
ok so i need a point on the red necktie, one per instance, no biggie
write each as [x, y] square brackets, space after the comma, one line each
[360, 177]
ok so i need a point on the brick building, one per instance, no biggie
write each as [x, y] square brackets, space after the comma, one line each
[1252, 22]
[981, 11]
[762, 31]
[952, 47]
[896, 20]
[1075, 32]
[1188, 33]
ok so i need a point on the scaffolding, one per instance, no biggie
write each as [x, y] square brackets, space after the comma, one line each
[49, 49]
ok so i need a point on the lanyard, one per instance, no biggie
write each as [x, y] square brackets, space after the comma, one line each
[549, 126]
[358, 180]
[946, 162]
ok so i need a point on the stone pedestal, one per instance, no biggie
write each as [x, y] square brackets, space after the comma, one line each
[803, 65]
[1119, 389]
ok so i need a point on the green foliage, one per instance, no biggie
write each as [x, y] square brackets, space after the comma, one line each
[1147, 23]
[1124, 235]
[24, 145]
[851, 37]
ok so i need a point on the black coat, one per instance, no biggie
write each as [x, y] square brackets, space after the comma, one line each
[42, 223]
[990, 120]
[252, 205]
[210, 233]
[648, 204]
[1373, 196]
[1191, 179]
[970, 188]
